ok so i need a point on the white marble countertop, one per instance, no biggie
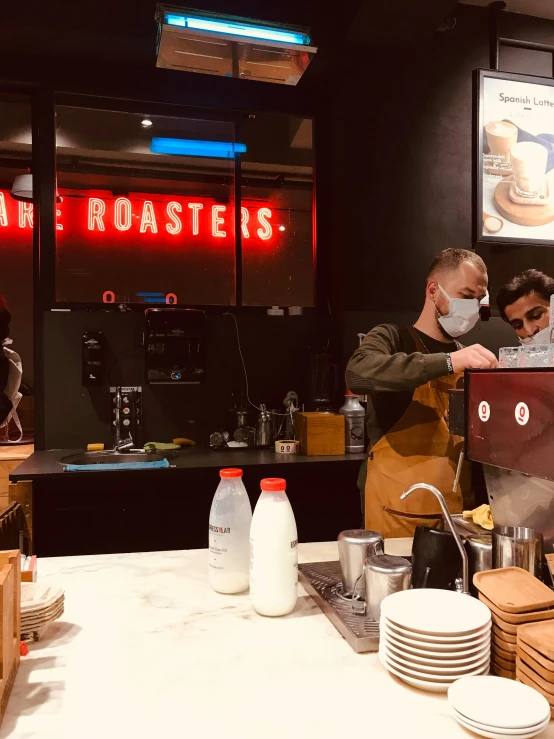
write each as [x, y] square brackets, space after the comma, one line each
[146, 649]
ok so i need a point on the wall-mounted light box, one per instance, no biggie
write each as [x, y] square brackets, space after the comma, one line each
[209, 43]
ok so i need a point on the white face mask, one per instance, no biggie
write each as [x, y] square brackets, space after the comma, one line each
[462, 316]
[542, 337]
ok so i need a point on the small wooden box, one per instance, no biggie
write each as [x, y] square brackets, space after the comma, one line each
[320, 434]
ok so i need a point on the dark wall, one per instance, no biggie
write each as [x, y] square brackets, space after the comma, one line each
[275, 350]
[405, 138]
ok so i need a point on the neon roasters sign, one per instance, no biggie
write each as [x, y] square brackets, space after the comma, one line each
[144, 214]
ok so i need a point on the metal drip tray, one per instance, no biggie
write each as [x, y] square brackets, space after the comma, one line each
[322, 580]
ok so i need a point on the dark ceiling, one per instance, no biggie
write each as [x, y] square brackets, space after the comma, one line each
[125, 30]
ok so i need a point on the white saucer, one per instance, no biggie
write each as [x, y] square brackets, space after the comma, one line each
[439, 675]
[438, 638]
[501, 733]
[429, 611]
[438, 659]
[449, 672]
[421, 642]
[507, 732]
[432, 687]
[434, 651]
[497, 701]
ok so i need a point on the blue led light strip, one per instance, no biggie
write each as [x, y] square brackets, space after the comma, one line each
[194, 148]
[233, 28]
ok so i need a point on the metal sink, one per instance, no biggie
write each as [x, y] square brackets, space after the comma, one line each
[113, 457]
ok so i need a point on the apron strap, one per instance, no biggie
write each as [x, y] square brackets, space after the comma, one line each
[418, 342]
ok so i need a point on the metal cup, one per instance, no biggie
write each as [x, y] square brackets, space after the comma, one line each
[384, 574]
[517, 546]
[355, 545]
[479, 552]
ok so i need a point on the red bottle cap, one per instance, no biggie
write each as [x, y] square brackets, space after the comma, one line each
[230, 472]
[273, 484]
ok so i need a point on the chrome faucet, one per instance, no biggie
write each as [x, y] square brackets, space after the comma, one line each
[448, 517]
[120, 445]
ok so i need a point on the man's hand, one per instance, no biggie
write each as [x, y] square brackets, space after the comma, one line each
[473, 357]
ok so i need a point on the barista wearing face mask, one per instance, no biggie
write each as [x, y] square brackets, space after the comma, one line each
[406, 372]
[525, 304]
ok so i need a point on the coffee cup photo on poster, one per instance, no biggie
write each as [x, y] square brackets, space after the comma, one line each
[516, 165]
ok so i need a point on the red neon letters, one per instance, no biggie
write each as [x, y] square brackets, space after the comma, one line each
[148, 217]
[153, 215]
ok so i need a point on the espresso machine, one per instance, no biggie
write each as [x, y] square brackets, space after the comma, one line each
[509, 429]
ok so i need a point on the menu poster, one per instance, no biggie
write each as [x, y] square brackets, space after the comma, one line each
[516, 159]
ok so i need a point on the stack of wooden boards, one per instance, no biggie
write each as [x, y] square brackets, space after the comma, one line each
[516, 599]
[535, 658]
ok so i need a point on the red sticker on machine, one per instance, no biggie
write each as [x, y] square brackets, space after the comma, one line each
[522, 413]
[484, 411]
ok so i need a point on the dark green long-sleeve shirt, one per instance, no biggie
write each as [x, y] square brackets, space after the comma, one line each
[387, 367]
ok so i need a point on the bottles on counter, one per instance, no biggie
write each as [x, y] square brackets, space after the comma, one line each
[273, 551]
[354, 420]
[230, 519]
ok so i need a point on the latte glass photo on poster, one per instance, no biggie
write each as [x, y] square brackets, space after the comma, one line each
[514, 168]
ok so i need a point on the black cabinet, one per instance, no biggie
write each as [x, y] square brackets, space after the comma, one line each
[101, 513]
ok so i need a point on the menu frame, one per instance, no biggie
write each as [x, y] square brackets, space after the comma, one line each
[480, 105]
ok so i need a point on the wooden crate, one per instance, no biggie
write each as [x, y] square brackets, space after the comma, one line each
[320, 433]
[10, 622]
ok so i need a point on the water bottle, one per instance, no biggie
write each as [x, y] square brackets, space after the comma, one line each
[230, 519]
[354, 419]
[273, 552]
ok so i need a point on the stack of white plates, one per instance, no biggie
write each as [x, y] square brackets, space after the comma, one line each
[40, 605]
[496, 707]
[430, 638]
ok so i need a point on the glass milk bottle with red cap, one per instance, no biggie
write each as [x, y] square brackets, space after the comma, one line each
[273, 551]
[230, 519]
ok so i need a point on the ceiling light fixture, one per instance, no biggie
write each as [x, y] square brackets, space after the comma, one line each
[232, 27]
[195, 148]
[146, 123]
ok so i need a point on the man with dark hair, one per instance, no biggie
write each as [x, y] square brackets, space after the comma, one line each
[406, 371]
[525, 304]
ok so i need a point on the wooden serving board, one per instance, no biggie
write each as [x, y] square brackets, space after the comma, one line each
[505, 646]
[523, 214]
[503, 635]
[540, 636]
[514, 590]
[503, 625]
[518, 618]
[537, 656]
[511, 675]
[506, 664]
[536, 666]
[545, 685]
[499, 654]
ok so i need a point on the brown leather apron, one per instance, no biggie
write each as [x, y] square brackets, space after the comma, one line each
[418, 448]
